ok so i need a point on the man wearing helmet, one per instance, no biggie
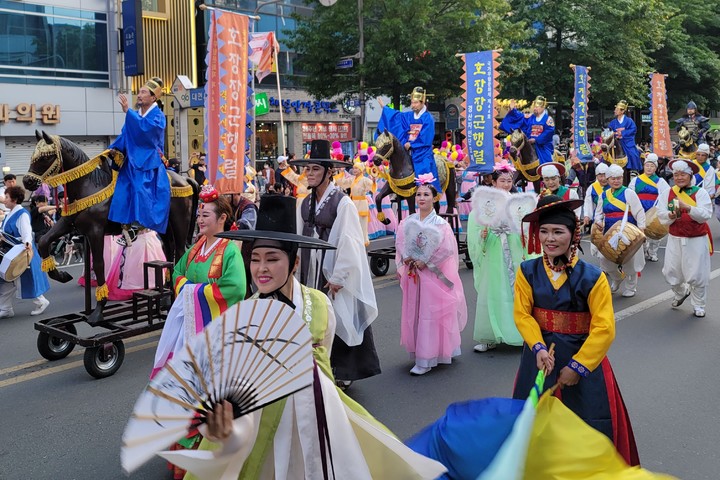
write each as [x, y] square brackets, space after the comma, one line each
[696, 124]
[625, 130]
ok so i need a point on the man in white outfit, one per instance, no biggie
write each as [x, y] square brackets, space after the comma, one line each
[687, 209]
[648, 187]
[705, 178]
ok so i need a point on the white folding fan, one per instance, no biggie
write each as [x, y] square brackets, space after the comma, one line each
[488, 206]
[519, 205]
[257, 352]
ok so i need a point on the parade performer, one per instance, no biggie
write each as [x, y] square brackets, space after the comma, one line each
[33, 283]
[244, 208]
[648, 187]
[539, 127]
[298, 180]
[142, 180]
[415, 129]
[282, 440]
[687, 209]
[611, 208]
[469, 182]
[387, 212]
[433, 304]
[563, 301]
[695, 123]
[126, 273]
[705, 178]
[625, 130]
[552, 174]
[592, 196]
[496, 249]
[330, 215]
[359, 186]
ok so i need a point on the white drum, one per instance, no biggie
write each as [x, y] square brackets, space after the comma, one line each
[15, 260]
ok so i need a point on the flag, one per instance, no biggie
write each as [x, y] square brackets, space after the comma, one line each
[660, 126]
[226, 101]
[262, 54]
[581, 95]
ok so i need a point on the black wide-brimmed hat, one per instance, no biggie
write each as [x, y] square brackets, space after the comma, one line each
[320, 155]
[277, 220]
[550, 209]
[548, 204]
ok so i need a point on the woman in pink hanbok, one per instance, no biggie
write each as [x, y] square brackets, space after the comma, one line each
[126, 273]
[469, 181]
[433, 306]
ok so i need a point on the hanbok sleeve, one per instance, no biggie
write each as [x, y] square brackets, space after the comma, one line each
[662, 208]
[400, 247]
[331, 324]
[630, 129]
[512, 121]
[179, 278]
[636, 208]
[522, 309]
[292, 177]
[588, 209]
[703, 211]
[475, 242]
[663, 186]
[602, 328]
[231, 286]
[448, 247]
[24, 226]
[599, 216]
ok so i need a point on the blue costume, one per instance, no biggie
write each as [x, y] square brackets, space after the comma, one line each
[33, 282]
[612, 211]
[419, 132]
[142, 192]
[542, 130]
[626, 130]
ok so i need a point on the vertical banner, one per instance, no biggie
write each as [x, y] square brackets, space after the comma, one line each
[660, 126]
[581, 94]
[480, 91]
[132, 38]
[226, 102]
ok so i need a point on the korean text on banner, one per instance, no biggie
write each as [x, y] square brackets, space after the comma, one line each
[581, 93]
[660, 126]
[226, 103]
[480, 85]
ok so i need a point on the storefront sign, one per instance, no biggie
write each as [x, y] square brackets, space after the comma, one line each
[261, 104]
[300, 106]
[342, 132]
[27, 113]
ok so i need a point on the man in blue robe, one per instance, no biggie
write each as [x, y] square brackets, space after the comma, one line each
[142, 192]
[539, 127]
[696, 124]
[625, 130]
[415, 129]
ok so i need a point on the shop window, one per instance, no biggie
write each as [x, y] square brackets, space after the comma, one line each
[155, 8]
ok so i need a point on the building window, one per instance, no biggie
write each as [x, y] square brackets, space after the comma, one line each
[52, 46]
[155, 8]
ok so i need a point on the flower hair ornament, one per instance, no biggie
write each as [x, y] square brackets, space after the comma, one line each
[503, 166]
[425, 179]
[208, 194]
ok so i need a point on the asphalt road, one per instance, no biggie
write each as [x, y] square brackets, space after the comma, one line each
[58, 422]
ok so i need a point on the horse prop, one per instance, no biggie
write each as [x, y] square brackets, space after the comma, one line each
[401, 175]
[613, 153]
[89, 186]
[687, 146]
[524, 159]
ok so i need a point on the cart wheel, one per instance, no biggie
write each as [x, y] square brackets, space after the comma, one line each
[105, 360]
[379, 266]
[54, 348]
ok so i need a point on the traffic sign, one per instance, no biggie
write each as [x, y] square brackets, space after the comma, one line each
[344, 63]
[197, 97]
[181, 90]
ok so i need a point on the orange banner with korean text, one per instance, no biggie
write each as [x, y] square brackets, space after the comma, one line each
[660, 126]
[480, 90]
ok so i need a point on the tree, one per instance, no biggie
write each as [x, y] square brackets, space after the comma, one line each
[407, 43]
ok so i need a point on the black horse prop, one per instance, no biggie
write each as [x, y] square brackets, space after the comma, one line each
[401, 175]
[88, 191]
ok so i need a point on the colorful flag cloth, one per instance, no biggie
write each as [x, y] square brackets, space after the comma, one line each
[261, 58]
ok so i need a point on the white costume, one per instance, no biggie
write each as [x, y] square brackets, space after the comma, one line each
[651, 246]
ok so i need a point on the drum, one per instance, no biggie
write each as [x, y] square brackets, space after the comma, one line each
[14, 258]
[654, 229]
[596, 235]
[625, 248]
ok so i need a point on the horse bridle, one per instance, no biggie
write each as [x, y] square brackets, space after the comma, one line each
[54, 167]
[389, 153]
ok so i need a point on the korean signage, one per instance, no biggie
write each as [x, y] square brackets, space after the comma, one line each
[262, 107]
[309, 106]
[659, 125]
[479, 101]
[48, 114]
[581, 93]
[342, 132]
[226, 104]
[132, 37]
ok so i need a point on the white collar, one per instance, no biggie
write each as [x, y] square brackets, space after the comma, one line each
[205, 249]
[143, 115]
[540, 117]
[420, 114]
[297, 296]
[621, 118]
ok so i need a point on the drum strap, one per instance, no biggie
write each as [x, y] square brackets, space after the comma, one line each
[616, 202]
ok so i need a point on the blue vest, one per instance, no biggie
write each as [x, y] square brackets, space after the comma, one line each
[647, 193]
[613, 213]
[572, 295]
[33, 282]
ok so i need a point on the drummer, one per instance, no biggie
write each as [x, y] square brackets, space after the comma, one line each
[648, 186]
[611, 208]
[553, 174]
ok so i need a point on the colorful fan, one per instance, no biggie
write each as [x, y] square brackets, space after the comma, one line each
[257, 352]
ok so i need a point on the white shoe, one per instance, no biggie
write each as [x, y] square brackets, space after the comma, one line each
[484, 347]
[417, 370]
[7, 314]
[44, 302]
[628, 293]
[653, 258]
[679, 301]
[699, 312]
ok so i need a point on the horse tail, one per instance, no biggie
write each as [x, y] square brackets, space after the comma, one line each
[193, 212]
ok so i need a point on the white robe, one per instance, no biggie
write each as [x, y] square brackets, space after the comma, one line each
[687, 260]
[355, 305]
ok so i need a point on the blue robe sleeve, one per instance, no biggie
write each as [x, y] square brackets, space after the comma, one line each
[630, 129]
[512, 121]
[119, 143]
[394, 122]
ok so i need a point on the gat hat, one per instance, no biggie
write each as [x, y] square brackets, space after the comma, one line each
[622, 105]
[690, 105]
[277, 220]
[418, 93]
[550, 209]
[320, 154]
[703, 148]
[540, 101]
[615, 171]
[601, 169]
[551, 169]
[682, 165]
[155, 85]
[651, 158]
